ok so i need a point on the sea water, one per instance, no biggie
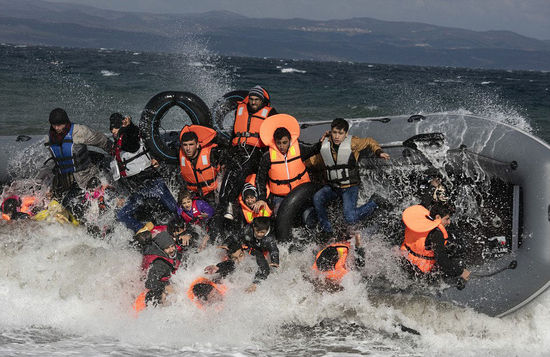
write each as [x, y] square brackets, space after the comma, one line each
[63, 292]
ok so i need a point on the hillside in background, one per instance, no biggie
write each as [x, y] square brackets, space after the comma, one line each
[359, 39]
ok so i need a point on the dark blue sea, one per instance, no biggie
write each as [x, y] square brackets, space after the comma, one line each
[63, 292]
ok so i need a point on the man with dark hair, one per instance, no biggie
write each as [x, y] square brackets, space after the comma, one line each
[68, 145]
[425, 241]
[247, 147]
[200, 160]
[339, 155]
[136, 171]
[282, 168]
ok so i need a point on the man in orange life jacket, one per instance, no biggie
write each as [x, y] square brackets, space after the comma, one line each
[283, 165]
[339, 155]
[161, 259]
[200, 165]
[247, 147]
[136, 171]
[424, 246]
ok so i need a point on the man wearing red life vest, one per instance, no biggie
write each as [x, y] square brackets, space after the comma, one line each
[425, 243]
[247, 147]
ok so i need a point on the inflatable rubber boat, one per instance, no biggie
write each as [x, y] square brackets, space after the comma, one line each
[498, 171]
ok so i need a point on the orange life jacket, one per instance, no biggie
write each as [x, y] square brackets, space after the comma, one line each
[418, 226]
[337, 273]
[201, 176]
[247, 126]
[191, 295]
[248, 213]
[27, 204]
[286, 171]
[140, 304]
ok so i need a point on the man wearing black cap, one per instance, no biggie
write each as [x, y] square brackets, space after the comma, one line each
[161, 259]
[247, 145]
[68, 145]
[136, 171]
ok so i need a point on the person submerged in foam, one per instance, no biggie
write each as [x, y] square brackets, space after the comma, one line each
[335, 260]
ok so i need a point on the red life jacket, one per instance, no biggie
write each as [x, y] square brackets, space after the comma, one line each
[195, 218]
[418, 226]
[339, 270]
[247, 126]
[148, 259]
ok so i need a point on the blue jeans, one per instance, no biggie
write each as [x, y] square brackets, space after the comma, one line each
[352, 213]
[154, 189]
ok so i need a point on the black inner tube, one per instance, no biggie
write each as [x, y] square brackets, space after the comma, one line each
[164, 146]
[289, 214]
[224, 106]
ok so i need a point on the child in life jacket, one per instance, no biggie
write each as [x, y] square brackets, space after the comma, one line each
[194, 210]
[251, 206]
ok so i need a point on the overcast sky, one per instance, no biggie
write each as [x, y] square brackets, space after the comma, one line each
[526, 17]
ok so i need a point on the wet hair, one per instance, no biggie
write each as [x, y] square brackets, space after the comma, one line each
[340, 124]
[188, 136]
[59, 116]
[115, 121]
[176, 224]
[201, 291]
[327, 259]
[10, 206]
[441, 209]
[261, 223]
[233, 246]
[281, 133]
[185, 193]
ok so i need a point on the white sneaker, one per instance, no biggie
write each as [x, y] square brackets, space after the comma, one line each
[229, 213]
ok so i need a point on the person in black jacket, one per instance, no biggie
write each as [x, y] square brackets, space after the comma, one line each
[137, 172]
[161, 259]
[259, 239]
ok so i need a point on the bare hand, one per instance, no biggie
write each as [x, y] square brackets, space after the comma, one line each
[204, 242]
[325, 135]
[274, 265]
[185, 239]
[211, 269]
[203, 215]
[155, 163]
[465, 274]
[251, 288]
[385, 156]
[258, 206]
[120, 202]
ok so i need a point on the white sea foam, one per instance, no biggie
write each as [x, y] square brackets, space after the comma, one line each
[292, 70]
[107, 73]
